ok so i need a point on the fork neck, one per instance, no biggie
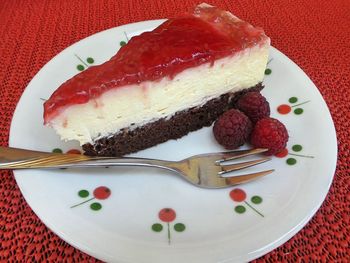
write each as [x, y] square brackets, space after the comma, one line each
[128, 161]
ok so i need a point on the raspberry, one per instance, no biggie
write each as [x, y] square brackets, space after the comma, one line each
[254, 105]
[271, 134]
[232, 129]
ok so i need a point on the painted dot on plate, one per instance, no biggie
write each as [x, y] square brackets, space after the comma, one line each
[90, 60]
[80, 67]
[293, 99]
[157, 227]
[179, 227]
[102, 192]
[284, 109]
[282, 153]
[167, 215]
[83, 193]
[297, 147]
[238, 195]
[291, 161]
[298, 111]
[57, 150]
[268, 71]
[74, 151]
[122, 43]
[240, 209]
[95, 206]
[256, 199]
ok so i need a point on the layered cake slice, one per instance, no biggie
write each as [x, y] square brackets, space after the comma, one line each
[162, 84]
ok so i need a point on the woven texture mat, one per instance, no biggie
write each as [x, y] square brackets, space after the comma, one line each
[315, 34]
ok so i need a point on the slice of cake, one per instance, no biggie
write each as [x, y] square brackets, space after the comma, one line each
[162, 84]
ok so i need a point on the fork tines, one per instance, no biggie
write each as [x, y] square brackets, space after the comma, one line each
[229, 156]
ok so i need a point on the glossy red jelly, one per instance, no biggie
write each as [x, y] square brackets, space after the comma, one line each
[180, 43]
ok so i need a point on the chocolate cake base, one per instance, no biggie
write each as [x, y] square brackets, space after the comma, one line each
[129, 141]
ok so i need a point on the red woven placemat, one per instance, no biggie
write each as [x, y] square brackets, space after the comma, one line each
[315, 34]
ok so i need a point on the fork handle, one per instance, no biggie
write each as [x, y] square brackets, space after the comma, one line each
[13, 158]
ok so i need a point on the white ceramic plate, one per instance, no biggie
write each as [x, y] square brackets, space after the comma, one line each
[139, 215]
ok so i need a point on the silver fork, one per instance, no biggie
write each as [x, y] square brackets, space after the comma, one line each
[204, 170]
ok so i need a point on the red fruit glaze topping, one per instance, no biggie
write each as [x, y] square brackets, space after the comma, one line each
[180, 43]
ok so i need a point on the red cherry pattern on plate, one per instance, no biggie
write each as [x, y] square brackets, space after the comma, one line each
[99, 193]
[123, 43]
[239, 195]
[71, 151]
[286, 108]
[84, 63]
[74, 151]
[168, 215]
[268, 71]
[295, 149]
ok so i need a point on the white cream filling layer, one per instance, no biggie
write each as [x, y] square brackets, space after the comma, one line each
[135, 105]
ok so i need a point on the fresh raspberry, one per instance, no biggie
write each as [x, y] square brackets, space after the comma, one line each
[232, 129]
[271, 134]
[254, 105]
